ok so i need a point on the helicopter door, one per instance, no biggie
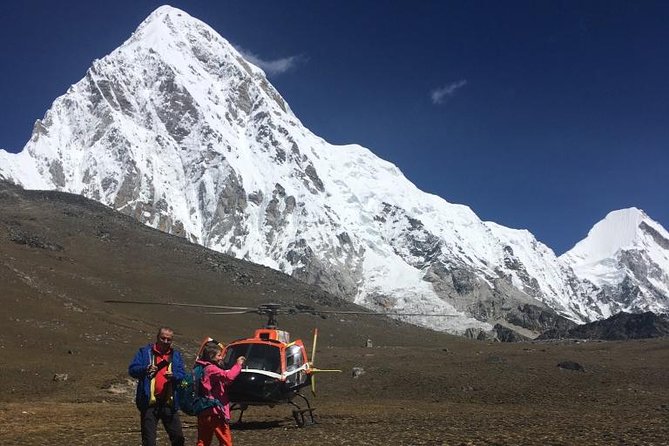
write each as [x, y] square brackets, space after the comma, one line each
[294, 362]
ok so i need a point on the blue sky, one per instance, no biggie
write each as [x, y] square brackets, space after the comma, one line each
[543, 115]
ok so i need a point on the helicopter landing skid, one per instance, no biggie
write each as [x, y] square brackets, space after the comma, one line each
[241, 408]
[303, 417]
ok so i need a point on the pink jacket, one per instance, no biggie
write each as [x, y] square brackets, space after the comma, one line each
[214, 381]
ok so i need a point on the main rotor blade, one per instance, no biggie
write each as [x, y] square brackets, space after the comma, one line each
[176, 304]
[277, 310]
[420, 314]
[370, 313]
[222, 313]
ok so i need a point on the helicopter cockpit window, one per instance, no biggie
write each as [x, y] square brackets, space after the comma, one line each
[258, 357]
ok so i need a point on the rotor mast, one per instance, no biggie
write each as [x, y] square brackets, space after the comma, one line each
[271, 310]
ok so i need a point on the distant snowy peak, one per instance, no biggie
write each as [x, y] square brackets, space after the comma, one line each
[626, 257]
[621, 229]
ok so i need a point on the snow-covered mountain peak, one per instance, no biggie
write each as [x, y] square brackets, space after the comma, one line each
[176, 129]
[166, 25]
[191, 46]
[626, 258]
[163, 24]
[619, 230]
[165, 10]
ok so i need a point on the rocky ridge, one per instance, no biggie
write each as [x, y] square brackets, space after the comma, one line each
[621, 326]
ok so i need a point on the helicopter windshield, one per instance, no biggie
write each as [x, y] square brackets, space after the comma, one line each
[258, 356]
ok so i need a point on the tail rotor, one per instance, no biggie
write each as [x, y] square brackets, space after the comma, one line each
[313, 358]
[312, 369]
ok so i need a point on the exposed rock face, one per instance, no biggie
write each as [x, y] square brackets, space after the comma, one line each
[505, 334]
[176, 129]
[618, 327]
[536, 318]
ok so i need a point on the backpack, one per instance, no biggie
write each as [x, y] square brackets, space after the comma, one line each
[189, 392]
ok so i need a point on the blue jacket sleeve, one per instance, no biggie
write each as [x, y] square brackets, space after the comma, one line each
[178, 370]
[139, 364]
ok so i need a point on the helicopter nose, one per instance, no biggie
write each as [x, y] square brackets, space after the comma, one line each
[252, 387]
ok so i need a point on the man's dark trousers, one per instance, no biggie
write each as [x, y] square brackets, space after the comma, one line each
[171, 422]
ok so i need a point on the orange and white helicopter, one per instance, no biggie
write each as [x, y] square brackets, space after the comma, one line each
[276, 368]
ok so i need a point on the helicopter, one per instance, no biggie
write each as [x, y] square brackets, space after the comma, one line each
[276, 368]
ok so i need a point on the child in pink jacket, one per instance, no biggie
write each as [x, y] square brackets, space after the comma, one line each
[215, 420]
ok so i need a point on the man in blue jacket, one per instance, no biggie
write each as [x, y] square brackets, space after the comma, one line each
[158, 368]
